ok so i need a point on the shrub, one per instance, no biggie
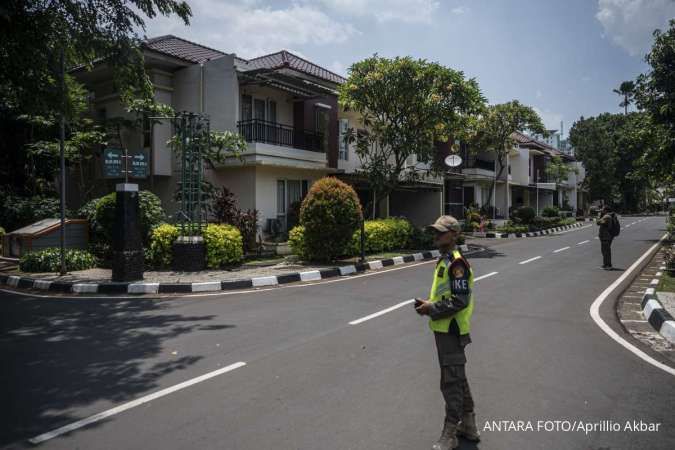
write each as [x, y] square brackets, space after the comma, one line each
[247, 223]
[49, 260]
[224, 206]
[524, 214]
[512, 229]
[151, 215]
[543, 223]
[550, 211]
[383, 235]
[296, 240]
[223, 245]
[421, 239]
[17, 212]
[160, 251]
[330, 213]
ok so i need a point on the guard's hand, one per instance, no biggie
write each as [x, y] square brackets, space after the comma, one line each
[424, 308]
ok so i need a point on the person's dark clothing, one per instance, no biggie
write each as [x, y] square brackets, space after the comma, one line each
[454, 385]
[606, 238]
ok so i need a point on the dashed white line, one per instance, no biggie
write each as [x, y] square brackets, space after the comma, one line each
[583, 242]
[485, 276]
[530, 260]
[132, 404]
[379, 313]
[560, 250]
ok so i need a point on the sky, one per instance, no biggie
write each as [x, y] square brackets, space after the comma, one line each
[562, 57]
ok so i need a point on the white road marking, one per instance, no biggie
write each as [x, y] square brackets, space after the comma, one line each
[530, 260]
[658, 274]
[485, 276]
[595, 312]
[654, 282]
[379, 313]
[132, 404]
[402, 304]
[583, 242]
[560, 250]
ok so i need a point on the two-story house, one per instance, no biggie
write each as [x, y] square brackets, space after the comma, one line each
[283, 105]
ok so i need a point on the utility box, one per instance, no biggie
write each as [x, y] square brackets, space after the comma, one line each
[45, 234]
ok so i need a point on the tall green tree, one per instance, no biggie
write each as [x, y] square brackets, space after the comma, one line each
[406, 105]
[494, 129]
[627, 92]
[655, 94]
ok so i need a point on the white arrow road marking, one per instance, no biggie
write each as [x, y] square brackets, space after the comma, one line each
[530, 260]
[132, 404]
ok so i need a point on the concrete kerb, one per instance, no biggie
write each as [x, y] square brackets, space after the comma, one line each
[530, 234]
[140, 288]
[657, 316]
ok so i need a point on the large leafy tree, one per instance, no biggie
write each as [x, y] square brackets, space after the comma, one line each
[36, 36]
[612, 148]
[494, 129]
[406, 105]
[655, 94]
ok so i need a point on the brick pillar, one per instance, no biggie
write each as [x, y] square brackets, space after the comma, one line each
[127, 241]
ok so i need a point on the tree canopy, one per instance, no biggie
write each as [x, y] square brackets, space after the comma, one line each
[406, 106]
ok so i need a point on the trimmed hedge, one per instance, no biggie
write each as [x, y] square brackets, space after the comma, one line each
[224, 245]
[330, 213]
[49, 260]
[160, 252]
[296, 241]
[383, 235]
[151, 214]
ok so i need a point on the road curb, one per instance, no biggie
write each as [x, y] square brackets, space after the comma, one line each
[533, 233]
[657, 316]
[140, 288]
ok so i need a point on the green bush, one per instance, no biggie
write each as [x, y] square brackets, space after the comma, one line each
[224, 245]
[151, 214]
[524, 215]
[296, 241]
[383, 235]
[513, 229]
[17, 212]
[330, 213]
[49, 260]
[550, 211]
[421, 239]
[160, 252]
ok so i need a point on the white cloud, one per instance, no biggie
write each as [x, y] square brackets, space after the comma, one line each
[338, 67]
[249, 28]
[409, 11]
[459, 10]
[630, 23]
[538, 94]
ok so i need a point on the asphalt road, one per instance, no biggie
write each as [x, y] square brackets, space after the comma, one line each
[313, 381]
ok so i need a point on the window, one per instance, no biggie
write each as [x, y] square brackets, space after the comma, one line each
[305, 188]
[246, 112]
[259, 109]
[147, 132]
[272, 111]
[343, 153]
[321, 125]
[529, 166]
[281, 197]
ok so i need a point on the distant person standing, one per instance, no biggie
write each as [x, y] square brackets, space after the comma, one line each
[609, 229]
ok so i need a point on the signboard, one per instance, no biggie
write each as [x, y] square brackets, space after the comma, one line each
[116, 164]
[113, 163]
[138, 164]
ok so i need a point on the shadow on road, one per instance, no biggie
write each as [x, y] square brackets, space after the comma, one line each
[58, 355]
[487, 253]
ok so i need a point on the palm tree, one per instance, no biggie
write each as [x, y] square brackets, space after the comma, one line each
[627, 91]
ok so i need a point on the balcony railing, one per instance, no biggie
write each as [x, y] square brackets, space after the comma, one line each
[482, 164]
[256, 130]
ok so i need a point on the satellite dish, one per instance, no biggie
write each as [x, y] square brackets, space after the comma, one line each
[453, 160]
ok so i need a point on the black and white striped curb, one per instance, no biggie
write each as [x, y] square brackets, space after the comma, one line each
[656, 314]
[533, 233]
[208, 286]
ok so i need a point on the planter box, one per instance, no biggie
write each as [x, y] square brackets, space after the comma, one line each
[278, 248]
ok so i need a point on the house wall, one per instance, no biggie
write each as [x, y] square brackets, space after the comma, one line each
[520, 167]
[421, 207]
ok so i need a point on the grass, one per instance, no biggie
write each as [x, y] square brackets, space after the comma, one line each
[667, 283]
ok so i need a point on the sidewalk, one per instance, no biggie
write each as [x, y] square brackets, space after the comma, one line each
[630, 312]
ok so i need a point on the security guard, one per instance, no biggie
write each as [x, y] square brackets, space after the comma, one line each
[449, 307]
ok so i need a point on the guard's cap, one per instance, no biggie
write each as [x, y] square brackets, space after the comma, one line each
[446, 223]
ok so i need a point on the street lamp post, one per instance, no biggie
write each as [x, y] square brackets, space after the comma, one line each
[62, 157]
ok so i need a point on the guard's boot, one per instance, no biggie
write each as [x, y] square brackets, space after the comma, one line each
[448, 439]
[467, 427]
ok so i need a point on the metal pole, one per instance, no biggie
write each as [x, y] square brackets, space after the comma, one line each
[537, 184]
[62, 157]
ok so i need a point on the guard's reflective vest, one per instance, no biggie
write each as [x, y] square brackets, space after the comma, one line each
[440, 290]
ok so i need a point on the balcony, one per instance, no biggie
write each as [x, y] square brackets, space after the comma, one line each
[256, 130]
[479, 168]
